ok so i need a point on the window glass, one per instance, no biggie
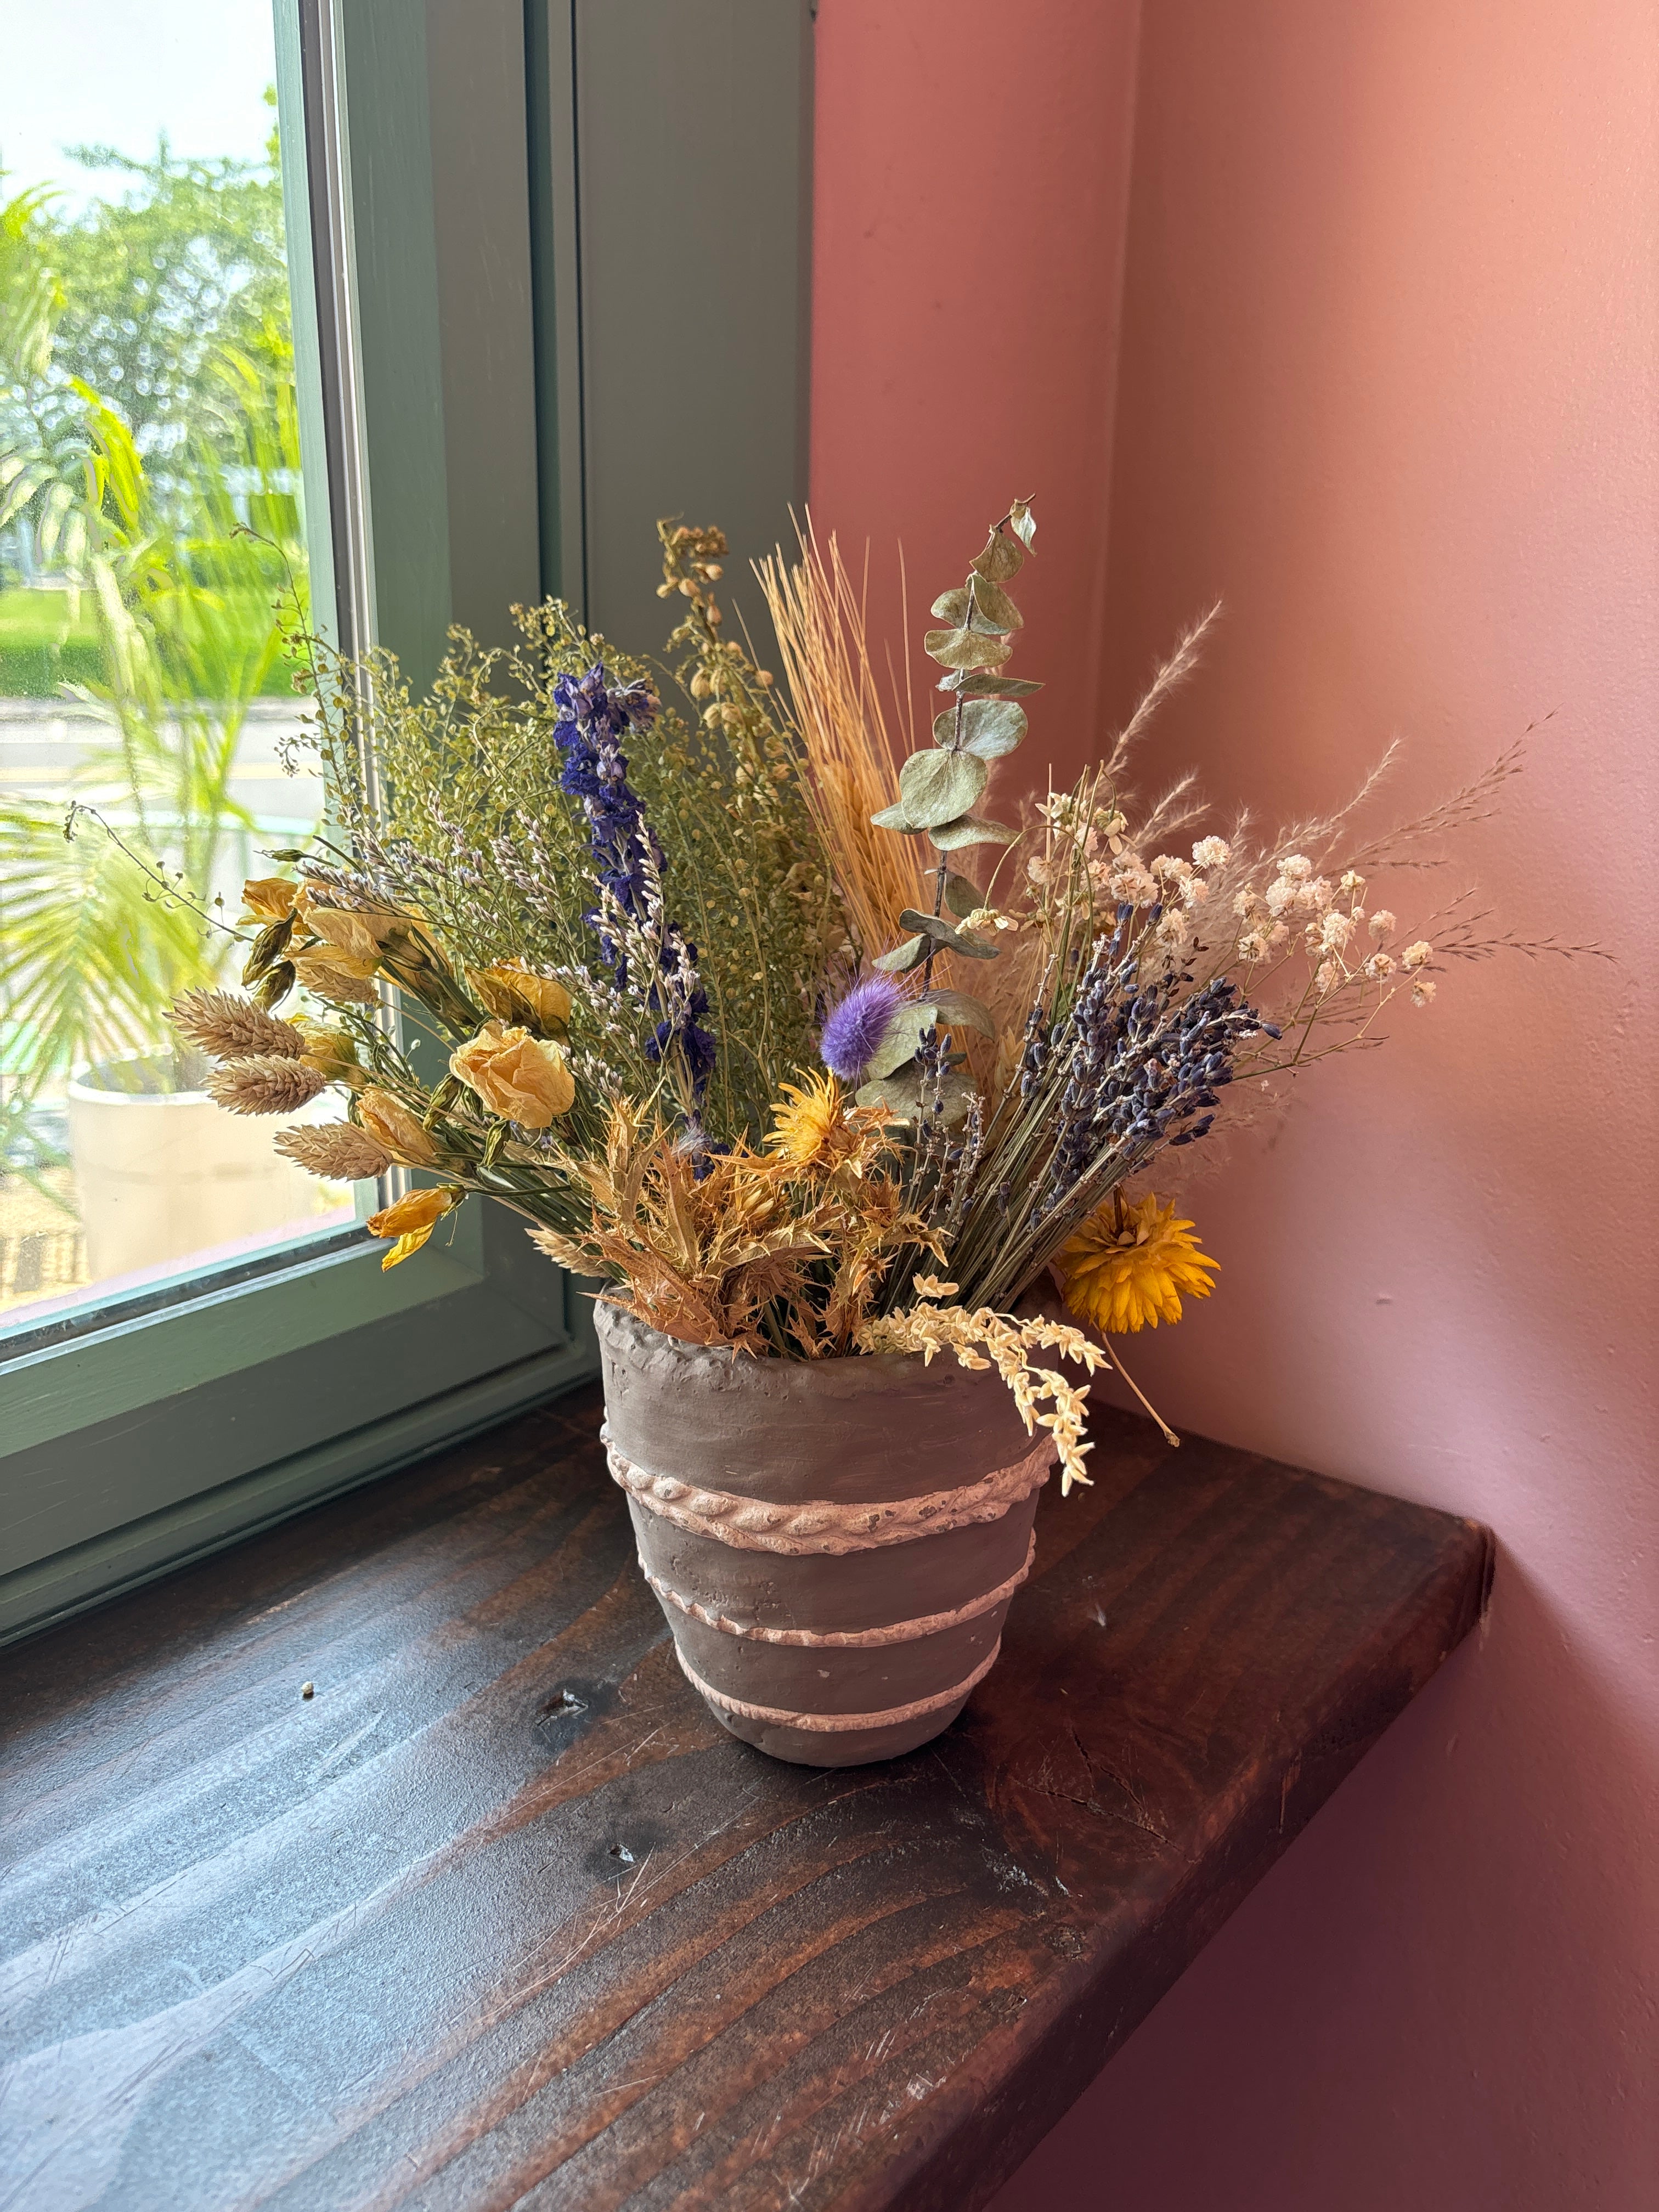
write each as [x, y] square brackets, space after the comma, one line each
[152, 555]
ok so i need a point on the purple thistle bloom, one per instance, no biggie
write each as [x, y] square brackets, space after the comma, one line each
[857, 1029]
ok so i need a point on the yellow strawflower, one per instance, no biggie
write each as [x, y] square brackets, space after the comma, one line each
[1126, 1267]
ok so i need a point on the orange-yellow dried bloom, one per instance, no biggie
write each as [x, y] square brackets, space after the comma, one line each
[390, 1123]
[360, 936]
[517, 1076]
[513, 992]
[344, 979]
[813, 1127]
[1126, 1267]
[412, 1220]
[270, 898]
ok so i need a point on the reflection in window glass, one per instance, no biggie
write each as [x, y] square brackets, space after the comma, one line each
[151, 522]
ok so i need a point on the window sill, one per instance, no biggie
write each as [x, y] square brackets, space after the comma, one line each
[500, 1903]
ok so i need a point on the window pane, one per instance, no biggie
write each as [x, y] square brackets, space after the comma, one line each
[152, 552]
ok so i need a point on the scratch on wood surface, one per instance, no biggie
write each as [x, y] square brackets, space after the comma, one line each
[1292, 1775]
[344, 1749]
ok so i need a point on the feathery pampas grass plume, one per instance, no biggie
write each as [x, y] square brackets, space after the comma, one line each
[857, 1028]
[266, 1084]
[230, 1027]
[338, 1151]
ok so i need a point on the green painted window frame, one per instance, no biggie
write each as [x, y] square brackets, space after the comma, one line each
[481, 202]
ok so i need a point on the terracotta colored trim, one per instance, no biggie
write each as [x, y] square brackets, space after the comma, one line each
[823, 1525]
[895, 1631]
[773, 1716]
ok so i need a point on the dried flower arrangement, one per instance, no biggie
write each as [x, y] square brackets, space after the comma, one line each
[698, 976]
[635, 929]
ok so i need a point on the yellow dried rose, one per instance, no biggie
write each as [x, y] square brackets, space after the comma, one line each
[270, 898]
[517, 1076]
[359, 936]
[390, 1123]
[515, 993]
[412, 1220]
[332, 1051]
[340, 977]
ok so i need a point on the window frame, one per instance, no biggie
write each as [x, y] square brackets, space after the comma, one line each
[441, 210]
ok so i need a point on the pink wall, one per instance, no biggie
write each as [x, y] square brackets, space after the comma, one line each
[1387, 381]
[971, 185]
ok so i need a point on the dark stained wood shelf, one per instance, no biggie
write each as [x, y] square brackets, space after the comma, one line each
[500, 1916]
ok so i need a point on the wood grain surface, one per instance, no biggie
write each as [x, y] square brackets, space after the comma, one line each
[499, 1916]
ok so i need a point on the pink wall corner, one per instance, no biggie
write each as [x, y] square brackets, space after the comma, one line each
[1387, 382]
[972, 171]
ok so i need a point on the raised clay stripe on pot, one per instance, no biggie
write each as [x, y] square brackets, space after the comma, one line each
[773, 1716]
[895, 1631]
[822, 1525]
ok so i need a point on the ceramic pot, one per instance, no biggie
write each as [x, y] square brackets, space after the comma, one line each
[834, 1542]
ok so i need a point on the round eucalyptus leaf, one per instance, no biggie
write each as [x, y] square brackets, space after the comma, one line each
[936, 787]
[965, 648]
[904, 1033]
[1002, 558]
[962, 895]
[961, 1010]
[903, 956]
[994, 609]
[978, 684]
[991, 727]
[895, 817]
[946, 936]
[971, 829]
[952, 606]
[901, 1093]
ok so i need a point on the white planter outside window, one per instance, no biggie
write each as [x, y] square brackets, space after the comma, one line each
[164, 1173]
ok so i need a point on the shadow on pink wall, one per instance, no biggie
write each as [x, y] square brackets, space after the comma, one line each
[1387, 382]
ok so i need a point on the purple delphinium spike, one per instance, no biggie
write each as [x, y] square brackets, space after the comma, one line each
[593, 715]
[856, 1029]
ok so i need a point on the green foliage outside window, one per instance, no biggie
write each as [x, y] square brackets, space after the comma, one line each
[149, 526]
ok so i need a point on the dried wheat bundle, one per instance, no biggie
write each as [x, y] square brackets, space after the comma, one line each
[822, 636]
[337, 1151]
[231, 1027]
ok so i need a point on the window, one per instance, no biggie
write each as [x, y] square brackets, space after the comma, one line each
[363, 253]
[153, 530]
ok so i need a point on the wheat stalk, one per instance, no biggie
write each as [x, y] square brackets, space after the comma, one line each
[820, 624]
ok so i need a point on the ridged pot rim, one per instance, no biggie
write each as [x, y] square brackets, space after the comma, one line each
[841, 1375]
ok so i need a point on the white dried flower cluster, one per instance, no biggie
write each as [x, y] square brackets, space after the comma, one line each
[1130, 884]
[1335, 919]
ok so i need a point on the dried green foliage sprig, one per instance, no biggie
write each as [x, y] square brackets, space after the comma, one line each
[466, 820]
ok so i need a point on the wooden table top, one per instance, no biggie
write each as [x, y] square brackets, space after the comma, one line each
[500, 1916]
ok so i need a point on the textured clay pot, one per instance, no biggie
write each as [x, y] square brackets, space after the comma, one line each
[834, 1542]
